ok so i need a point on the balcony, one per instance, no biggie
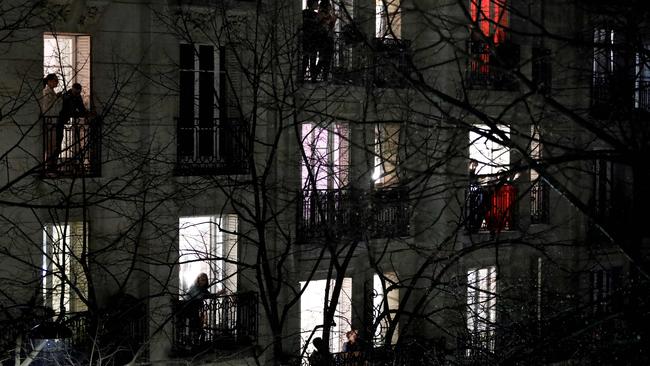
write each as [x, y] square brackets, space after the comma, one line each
[392, 62]
[490, 66]
[397, 355]
[384, 62]
[539, 202]
[475, 349]
[218, 322]
[71, 148]
[345, 212]
[213, 148]
[491, 208]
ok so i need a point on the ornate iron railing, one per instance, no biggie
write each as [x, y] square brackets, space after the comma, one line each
[392, 62]
[642, 95]
[490, 66]
[490, 207]
[72, 147]
[397, 355]
[475, 349]
[212, 147]
[352, 213]
[107, 332]
[385, 62]
[217, 322]
[539, 202]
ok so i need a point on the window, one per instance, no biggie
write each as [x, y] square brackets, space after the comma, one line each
[492, 157]
[212, 138]
[603, 285]
[492, 19]
[208, 244]
[385, 301]
[70, 146]
[312, 305]
[64, 283]
[388, 19]
[199, 100]
[386, 146]
[481, 308]
[327, 152]
[68, 56]
[491, 197]
[541, 69]
[642, 79]
[603, 66]
[539, 189]
[602, 188]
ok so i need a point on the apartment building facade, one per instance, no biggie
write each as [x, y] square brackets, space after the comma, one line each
[463, 186]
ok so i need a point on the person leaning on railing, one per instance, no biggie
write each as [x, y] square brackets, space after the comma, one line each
[193, 307]
[72, 107]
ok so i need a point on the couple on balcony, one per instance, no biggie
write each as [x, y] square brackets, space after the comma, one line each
[69, 105]
[489, 202]
[317, 39]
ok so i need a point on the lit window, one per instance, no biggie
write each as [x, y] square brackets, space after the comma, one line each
[388, 19]
[386, 148]
[481, 308]
[327, 152]
[312, 304]
[385, 302]
[208, 244]
[64, 283]
[68, 56]
[492, 18]
[491, 156]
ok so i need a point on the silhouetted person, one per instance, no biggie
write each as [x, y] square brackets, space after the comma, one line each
[194, 298]
[309, 38]
[320, 356]
[326, 22]
[72, 107]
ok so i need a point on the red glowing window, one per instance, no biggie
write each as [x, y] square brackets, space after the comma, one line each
[491, 16]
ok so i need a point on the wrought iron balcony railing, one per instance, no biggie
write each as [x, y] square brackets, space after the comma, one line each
[347, 213]
[392, 62]
[72, 148]
[217, 322]
[491, 207]
[384, 62]
[397, 355]
[212, 147]
[490, 66]
[539, 202]
[475, 349]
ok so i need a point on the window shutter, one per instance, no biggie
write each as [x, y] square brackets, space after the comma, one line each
[82, 67]
[207, 93]
[185, 121]
[230, 248]
[233, 89]
[77, 276]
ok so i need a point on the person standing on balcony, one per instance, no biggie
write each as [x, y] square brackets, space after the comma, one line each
[353, 344]
[72, 107]
[50, 103]
[50, 97]
[194, 312]
[309, 39]
[326, 22]
[476, 201]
